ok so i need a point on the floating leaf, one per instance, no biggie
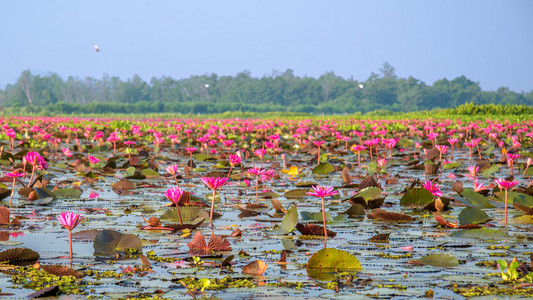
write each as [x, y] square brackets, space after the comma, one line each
[324, 264]
[202, 157]
[369, 193]
[70, 193]
[19, 256]
[452, 165]
[109, 242]
[369, 181]
[46, 292]
[130, 171]
[384, 215]
[123, 186]
[474, 199]
[257, 267]
[304, 184]
[4, 215]
[483, 234]
[188, 213]
[526, 219]
[417, 197]
[380, 238]
[293, 194]
[443, 260]
[314, 230]
[314, 216]
[86, 234]
[493, 169]
[288, 223]
[150, 173]
[45, 193]
[473, 215]
[323, 169]
[355, 210]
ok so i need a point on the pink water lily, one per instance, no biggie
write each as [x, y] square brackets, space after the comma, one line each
[322, 192]
[214, 183]
[506, 185]
[69, 220]
[432, 188]
[173, 170]
[174, 195]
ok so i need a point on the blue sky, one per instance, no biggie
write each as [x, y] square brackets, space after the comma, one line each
[490, 42]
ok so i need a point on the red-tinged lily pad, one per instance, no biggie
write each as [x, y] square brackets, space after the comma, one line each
[198, 246]
[482, 234]
[88, 235]
[123, 186]
[61, 270]
[110, 242]
[326, 263]
[443, 260]
[384, 215]
[380, 238]
[4, 215]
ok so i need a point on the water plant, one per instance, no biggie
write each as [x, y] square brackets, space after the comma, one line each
[69, 220]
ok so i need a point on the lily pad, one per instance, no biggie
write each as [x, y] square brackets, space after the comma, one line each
[474, 199]
[109, 242]
[493, 169]
[188, 213]
[150, 173]
[370, 193]
[70, 193]
[444, 260]
[473, 215]
[299, 193]
[323, 169]
[288, 223]
[324, 264]
[417, 197]
[314, 216]
[482, 233]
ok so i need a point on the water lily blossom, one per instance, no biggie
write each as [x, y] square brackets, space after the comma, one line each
[214, 183]
[432, 188]
[322, 192]
[174, 195]
[506, 185]
[69, 220]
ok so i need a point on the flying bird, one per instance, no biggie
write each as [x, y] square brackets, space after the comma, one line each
[96, 49]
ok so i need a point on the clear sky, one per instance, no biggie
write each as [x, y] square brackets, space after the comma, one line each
[488, 41]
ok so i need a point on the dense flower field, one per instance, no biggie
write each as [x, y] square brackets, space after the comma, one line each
[181, 208]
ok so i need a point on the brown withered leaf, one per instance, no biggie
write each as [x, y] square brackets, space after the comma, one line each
[146, 265]
[457, 186]
[277, 206]
[200, 247]
[185, 226]
[384, 215]
[373, 203]
[61, 271]
[283, 258]
[236, 232]
[153, 222]
[439, 204]
[4, 193]
[4, 215]
[442, 222]
[257, 267]
[380, 238]
[123, 187]
[523, 208]
[346, 176]
[46, 292]
[245, 213]
[368, 182]
[314, 230]
[19, 256]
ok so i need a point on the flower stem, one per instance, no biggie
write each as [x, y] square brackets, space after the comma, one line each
[505, 219]
[212, 209]
[70, 243]
[324, 218]
[179, 213]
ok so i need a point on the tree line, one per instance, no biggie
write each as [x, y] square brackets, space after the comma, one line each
[278, 91]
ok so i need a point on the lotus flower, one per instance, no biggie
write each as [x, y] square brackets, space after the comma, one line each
[69, 220]
[214, 183]
[432, 188]
[506, 185]
[323, 192]
[174, 195]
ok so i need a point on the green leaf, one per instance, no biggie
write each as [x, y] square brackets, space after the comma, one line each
[109, 242]
[305, 183]
[473, 215]
[444, 260]
[493, 169]
[188, 213]
[130, 171]
[324, 264]
[299, 193]
[405, 143]
[202, 157]
[474, 199]
[370, 193]
[523, 199]
[417, 197]
[314, 216]
[355, 210]
[70, 193]
[150, 173]
[372, 168]
[525, 219]
[288, 223]
[323, 169]
[452, 165]
[482, 234]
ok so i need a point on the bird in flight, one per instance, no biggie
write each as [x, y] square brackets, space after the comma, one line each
[96, 49]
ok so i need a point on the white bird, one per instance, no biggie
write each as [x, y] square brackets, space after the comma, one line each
[361, 86]
[96, 49]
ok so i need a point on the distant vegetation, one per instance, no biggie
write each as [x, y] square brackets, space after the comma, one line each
[211, 94]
